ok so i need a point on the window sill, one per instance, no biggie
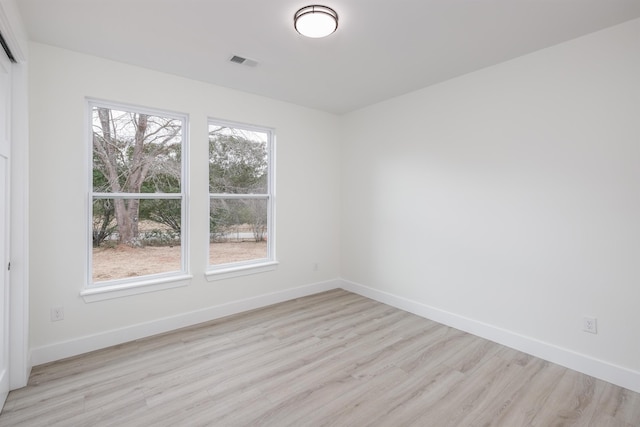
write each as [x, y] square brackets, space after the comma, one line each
[134, 288]
[240, 270]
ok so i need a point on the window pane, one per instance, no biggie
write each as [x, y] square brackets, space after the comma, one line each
[135, 152]
[148, 244]
[238, 230]
[238, 161]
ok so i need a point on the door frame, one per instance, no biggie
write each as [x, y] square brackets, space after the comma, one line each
[16, 39]
[5, 232]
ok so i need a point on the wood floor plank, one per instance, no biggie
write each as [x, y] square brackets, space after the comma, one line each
[330, 359]
[402, 402]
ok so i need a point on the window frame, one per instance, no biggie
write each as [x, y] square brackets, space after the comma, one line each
[257, 265]
[96, 291]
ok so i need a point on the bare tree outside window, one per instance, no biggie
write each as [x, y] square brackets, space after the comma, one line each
[136, 191]
[138, 195]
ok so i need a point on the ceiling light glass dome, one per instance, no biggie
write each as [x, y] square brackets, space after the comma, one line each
[315, 21]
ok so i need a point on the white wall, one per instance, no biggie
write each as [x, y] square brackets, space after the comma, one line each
[509, 197]
[307, 197]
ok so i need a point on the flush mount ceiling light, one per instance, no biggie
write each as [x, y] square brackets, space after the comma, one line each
[315, 21]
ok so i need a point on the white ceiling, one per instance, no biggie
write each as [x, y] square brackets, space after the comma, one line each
[383, 48]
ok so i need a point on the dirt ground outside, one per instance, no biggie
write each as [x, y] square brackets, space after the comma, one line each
[123, 261]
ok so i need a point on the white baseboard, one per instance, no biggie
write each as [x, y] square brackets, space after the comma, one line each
[614, 374]
[61, 350]
[600, 369]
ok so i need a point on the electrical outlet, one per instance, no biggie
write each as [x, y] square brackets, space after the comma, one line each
[590, 324]
[57, 313]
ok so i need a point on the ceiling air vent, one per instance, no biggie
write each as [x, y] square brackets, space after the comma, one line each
[243, 61]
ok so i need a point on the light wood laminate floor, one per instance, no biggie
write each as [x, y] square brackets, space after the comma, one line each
[331, 359]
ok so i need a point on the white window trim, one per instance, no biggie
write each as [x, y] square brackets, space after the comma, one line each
[99, 291]
[115, 290]
[236, 270]
[230, 270]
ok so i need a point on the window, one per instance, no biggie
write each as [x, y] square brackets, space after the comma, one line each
[138, 196]
[241, 204]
